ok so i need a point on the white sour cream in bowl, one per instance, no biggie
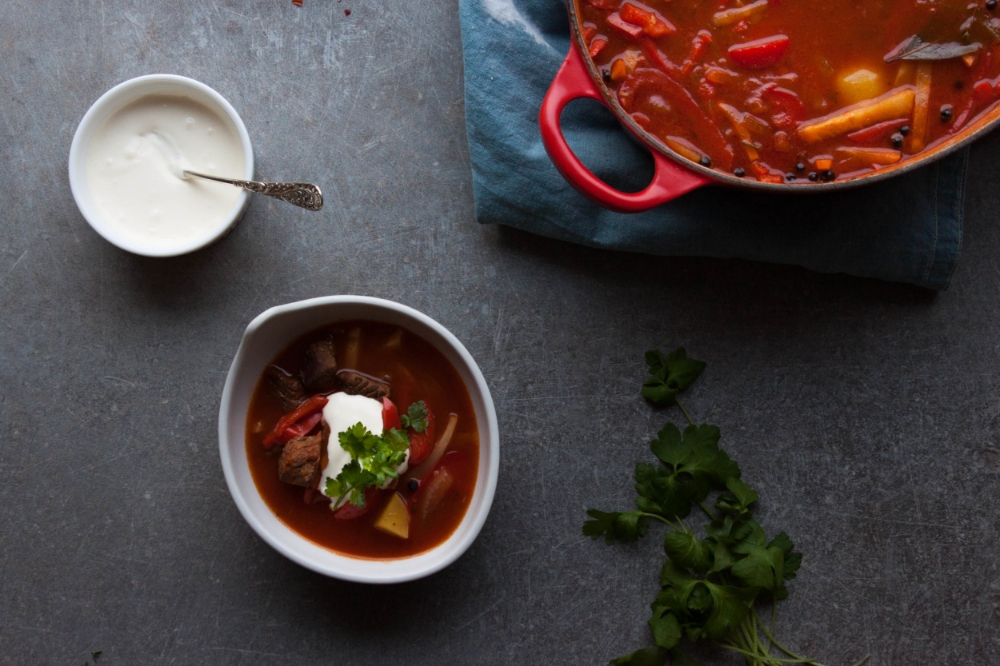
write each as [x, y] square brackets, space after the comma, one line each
[128, 156]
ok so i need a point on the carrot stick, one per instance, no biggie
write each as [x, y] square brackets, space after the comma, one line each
[737, 120]
[904, 75]
[921, 105]
[683, 147]
[881, 156]
[894, 104]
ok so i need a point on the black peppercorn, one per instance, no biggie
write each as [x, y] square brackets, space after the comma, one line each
[412, 485]
[828, 175]
[904, 130]
[991, 4]
[897, 140]
[789, 177]
[739, 172]
[945, 114]
[800, 167]
[606, 75]
[813, 176]
[705, 161]
[959, 85]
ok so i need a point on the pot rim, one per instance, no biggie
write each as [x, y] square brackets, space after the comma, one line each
[981, 125]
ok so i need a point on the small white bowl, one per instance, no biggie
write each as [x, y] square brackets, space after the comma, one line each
[126, 93]
[264, 338]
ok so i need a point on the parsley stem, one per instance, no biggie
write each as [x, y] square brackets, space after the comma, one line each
[774, 619]
[683, 526]
[863, 660]
[688, 416]
[800, 658]
[773, 660]
[661, 519]
[707, 511]
[746, 640]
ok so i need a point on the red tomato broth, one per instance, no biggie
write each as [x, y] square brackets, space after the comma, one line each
[416, 371]
[826, 42]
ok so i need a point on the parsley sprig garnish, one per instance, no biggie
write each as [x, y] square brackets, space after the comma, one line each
[374, 460]
[415, 417]
[709, 586]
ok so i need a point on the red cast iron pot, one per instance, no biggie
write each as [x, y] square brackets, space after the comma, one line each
[674, 174]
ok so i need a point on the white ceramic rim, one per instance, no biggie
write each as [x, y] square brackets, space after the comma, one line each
[110, 102]
[243, 374]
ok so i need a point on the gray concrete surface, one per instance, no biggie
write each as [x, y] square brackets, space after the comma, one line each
[866, 413]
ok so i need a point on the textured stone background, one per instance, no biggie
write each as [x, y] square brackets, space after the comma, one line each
[866, 413]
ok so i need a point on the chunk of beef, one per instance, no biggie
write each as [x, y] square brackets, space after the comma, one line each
[357, 383]
[286, 388]
[299, 461]
[319, 370]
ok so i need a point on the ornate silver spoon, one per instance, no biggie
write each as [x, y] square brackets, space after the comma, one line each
[304, 195]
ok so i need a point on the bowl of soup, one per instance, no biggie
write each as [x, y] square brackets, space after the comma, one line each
[777, 96]
[358, 438]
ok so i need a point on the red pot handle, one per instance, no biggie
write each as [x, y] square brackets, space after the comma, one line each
[572, 81]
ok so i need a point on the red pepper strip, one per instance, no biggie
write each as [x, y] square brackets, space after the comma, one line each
[390, 415]
[981, 95]
[983, 91]
[307, 408]
[422, 443]
[627, 29]
[588, 32]
[764, 174]
[658, 58]
[963, 116]
[760, 53]
[704, 132]
[301, 427]
[597, 46]
[348, 511]
[698, 47]
[785, 100]
[788, 108]
[652, 23]
[878, 131]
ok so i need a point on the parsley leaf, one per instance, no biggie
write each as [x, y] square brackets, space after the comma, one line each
[374, 460]
[686, 551]
[692, 466]
[415, 417]
[669, 375]
[616, 526]
[666, 630]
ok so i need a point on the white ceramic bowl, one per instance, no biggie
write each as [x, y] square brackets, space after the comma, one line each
[126, 93]
[264, 338]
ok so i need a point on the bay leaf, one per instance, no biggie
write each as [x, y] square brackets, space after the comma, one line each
[918, 49]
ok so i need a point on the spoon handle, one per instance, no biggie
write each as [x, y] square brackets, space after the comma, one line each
[304, 195]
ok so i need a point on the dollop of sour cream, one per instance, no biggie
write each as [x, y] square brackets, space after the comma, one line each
[134, 170]
[343, 411]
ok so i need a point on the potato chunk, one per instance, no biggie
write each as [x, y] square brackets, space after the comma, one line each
[859, 86]
[395, 519]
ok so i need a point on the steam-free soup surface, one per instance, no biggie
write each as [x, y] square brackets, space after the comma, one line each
[797, 91]
[416, 371]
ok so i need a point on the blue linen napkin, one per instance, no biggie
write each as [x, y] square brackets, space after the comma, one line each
[906, 229]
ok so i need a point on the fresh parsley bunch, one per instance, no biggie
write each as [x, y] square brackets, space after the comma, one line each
[374, 460]
[708, 586]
